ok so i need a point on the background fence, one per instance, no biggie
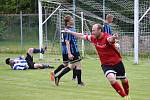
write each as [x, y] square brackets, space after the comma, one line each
[15, 37]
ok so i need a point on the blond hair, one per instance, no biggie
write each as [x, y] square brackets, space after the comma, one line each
[109, 16]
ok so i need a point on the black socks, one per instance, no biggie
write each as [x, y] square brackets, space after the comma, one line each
[47, 66]
[35, 50]
[74, 73]
[66, 70]
[78, 72]
[59, 68]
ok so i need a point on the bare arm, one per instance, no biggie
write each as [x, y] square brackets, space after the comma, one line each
[70, 56]
[78, 35]
[68, 46]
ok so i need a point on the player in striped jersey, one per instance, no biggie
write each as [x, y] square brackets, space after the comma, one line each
[20, 63]
[70, 53]
[107, 27]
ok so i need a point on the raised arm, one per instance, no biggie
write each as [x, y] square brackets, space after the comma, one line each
[78, 35]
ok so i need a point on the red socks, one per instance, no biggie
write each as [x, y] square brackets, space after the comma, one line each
[126, 86]
[119, 89]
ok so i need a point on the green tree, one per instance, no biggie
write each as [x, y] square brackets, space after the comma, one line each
[15, 6]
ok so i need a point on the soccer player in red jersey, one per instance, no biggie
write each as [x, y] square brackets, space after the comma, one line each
[110, 58]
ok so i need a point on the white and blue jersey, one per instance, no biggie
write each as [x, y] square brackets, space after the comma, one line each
[20, 64]
[107, 28]
[73, 42]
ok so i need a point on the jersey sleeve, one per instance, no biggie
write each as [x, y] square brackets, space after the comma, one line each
[107, 38]
[87, 37]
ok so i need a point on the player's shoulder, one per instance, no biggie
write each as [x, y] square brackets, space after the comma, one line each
[106, 34]
[71, 28]
[105, 24]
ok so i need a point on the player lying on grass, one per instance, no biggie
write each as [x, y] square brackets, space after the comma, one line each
[109, 56]
[22, 64]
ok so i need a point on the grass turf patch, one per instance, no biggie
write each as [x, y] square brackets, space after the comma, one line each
[35, 84]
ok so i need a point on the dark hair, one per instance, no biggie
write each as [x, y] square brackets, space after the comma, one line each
[67, 18]
[7, 61]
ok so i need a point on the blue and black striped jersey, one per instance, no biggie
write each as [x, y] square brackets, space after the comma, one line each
[73, 42]
[107, 28]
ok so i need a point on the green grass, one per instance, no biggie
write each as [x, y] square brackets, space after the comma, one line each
[35, 84]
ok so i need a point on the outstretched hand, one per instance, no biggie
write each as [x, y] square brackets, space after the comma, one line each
[78, 35]
[116, 36]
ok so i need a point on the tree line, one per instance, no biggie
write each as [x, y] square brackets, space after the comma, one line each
[15, 6]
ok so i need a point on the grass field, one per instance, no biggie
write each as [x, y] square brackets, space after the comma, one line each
[35, 84]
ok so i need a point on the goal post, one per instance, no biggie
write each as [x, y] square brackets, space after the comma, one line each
[136, 31]
[40, 27]
[82, 28]
[41, 22]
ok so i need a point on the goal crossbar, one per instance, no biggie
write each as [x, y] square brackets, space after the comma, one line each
[51, 14]
[144, 14]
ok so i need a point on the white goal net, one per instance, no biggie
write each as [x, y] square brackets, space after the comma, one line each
[51, 15]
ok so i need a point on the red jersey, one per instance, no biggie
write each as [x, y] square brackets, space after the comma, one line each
[107, 52]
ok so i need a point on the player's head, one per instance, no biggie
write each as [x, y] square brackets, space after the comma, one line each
[68, 20]
[109, 18]
[9, 61]
[97, 30]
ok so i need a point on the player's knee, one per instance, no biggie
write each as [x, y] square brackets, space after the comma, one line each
[78, 65]
[111, 78]
[68, 65]
[65, 64]
[30, 50]
[38, 66]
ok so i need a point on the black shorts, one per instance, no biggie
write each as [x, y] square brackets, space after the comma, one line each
[76, 58]
[30, 62]
[117, 69]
